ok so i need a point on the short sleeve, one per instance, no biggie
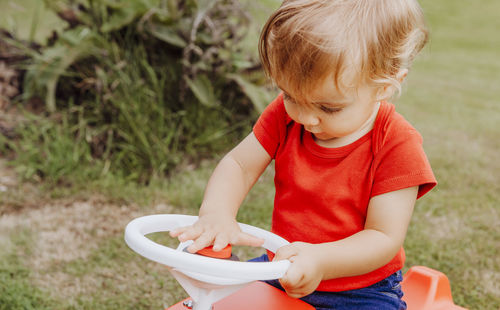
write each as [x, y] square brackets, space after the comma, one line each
[271, 126]
[402, 163]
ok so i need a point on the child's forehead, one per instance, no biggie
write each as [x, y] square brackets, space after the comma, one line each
[322, 89]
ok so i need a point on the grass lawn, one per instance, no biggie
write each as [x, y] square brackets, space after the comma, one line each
[66, 250]
[452, 99]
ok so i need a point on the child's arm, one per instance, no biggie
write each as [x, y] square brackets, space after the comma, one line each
[383, 235]
[230, 182]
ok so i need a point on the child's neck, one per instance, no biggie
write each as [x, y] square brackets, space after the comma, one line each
[346, 140]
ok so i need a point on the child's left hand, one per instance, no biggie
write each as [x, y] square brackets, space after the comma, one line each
[304, 274]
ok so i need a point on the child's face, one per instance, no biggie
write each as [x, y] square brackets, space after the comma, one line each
[330, 114]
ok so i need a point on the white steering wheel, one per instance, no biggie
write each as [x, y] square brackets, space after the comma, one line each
[206, 269]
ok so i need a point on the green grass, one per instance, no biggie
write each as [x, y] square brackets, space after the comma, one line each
[451, 97]
[146, 292]
[28, 19]
[16, 292]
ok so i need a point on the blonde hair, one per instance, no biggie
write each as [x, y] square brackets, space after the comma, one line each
[305, 41]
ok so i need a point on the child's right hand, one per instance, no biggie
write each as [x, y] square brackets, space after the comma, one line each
[214, 229]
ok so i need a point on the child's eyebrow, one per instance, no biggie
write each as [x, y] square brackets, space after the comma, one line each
[337, 103]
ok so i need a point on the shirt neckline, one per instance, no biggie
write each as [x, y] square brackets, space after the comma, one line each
[336, 152]
[341, 151]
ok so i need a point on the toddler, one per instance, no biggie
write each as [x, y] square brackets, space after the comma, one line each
[348, 167]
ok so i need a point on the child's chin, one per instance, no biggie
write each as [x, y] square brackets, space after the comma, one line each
[322, 136]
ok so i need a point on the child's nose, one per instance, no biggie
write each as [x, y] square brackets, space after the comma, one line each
[308, 118]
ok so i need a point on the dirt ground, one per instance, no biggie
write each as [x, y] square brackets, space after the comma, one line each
[65, 231]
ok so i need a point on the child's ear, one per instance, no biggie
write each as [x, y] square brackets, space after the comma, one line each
[388, 90]
[385, 92]
[401, 75]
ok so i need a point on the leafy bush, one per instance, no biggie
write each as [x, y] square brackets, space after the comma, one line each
[142, 85]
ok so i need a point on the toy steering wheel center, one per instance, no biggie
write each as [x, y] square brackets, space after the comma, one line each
[206, 269]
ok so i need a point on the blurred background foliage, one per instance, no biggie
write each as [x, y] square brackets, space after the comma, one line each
[134, 88]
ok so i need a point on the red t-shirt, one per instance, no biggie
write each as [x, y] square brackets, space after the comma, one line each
[322, 194]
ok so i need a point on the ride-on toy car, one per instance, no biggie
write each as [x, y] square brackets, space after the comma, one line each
[224, 284]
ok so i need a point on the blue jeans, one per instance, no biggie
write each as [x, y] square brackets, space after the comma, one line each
[383, 295]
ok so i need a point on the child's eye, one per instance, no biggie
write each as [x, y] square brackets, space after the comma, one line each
[329, 110]
[287, 98]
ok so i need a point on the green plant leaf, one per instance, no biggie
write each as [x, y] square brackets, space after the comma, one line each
[125, 13]
[205, 5]
[259, 96]
[54, 60]
[167, 34]
[203, 90]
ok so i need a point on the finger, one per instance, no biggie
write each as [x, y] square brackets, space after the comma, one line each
[288, 287]
[191, 233]
[292, 288]
[174, 233]
[247, 240]
[221, 241]
[285, 252]
[201, 242]
[293, 276]
[295, 294]
[299, 292]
